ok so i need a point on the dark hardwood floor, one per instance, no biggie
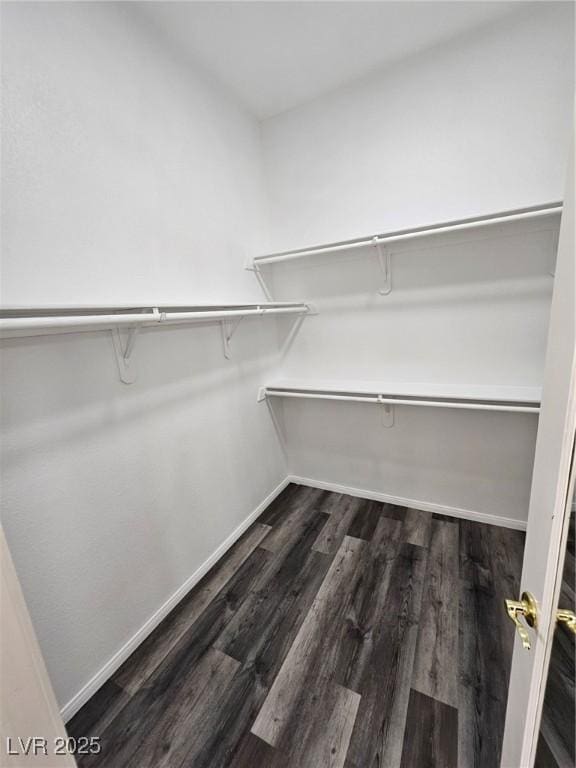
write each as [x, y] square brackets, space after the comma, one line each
[336, 632]
[556, 742]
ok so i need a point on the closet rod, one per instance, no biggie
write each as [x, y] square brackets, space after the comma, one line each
[409, 234]
[132, 319]
[382, 400]
[171, 317]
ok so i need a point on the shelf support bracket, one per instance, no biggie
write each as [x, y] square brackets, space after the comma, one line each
[252, 266]
[385, 262]
[387, 413]
[123, 352]
[228, 329]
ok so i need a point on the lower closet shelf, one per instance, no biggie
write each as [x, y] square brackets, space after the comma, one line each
[513, 399]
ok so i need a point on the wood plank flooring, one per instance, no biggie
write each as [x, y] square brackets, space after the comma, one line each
[556, 742]
[337, 632]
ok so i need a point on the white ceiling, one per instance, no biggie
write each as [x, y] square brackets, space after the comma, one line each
[277, 55]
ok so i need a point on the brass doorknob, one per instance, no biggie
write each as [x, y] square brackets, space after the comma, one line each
[567, 617]
[527, 608]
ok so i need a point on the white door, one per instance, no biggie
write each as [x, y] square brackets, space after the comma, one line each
[547, 519]
[32, 731]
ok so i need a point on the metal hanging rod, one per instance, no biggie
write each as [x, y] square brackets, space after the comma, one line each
[510, 406]
[521, 214]
[41, 321]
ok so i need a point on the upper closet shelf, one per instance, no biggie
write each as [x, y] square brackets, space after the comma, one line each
[504, 217]
[380, 243]
[40, 321]
[32, 321]
[515, 399]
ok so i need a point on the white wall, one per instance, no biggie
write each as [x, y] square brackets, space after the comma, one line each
[463, 309]
[128, 176]
[476, 126]
[473, 464]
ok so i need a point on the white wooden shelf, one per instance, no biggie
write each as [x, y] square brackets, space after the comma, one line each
[31, 321]
[381, 244]
[48, 320]
[446, 227]
[516, 399]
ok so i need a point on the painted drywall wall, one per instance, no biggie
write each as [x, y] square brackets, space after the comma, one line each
[463, 309]
[471, 464]
[127, 176]
[475, 126]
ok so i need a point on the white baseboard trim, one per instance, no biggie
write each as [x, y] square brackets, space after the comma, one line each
[105, 672]
[425, 506]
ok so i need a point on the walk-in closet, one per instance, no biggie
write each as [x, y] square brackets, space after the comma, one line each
[288, 380]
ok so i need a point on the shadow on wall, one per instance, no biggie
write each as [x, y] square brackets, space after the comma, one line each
[454, 266]
[63, 388]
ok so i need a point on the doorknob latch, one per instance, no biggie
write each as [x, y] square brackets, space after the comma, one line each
[568, 618]
[527, 608]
